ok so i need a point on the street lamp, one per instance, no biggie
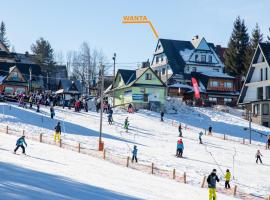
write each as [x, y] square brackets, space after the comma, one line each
[114, 58]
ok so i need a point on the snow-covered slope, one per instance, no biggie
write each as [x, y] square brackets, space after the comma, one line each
[156, 140]
[48, 172]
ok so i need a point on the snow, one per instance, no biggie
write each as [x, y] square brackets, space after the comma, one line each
[48, 172]
[216, 74]
[156, 141]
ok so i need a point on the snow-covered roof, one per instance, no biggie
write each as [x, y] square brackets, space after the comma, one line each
[216, 74]
[186, 53]
[2, 78]
[180, 85]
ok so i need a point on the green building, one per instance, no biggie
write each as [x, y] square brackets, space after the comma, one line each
[142, 88]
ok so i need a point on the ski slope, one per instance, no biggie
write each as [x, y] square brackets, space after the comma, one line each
[156, 140]
[49, 172]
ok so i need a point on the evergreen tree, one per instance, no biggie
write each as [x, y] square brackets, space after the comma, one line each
[3, 37]
[256, 37]
[268, 37]
[236, 56]
[44, 54]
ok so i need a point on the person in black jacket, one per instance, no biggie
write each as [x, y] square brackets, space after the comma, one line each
[57, 134]
[210, 130]
[161, 116]
[212, 180]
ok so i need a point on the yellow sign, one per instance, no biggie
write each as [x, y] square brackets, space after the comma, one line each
[139, 20]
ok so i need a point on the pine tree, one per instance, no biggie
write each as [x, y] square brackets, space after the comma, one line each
[236, 56]
[256, 37]
[44, 53]
[268, 37]
[3, 37]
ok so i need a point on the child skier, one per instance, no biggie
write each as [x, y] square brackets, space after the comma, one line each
[227, 179]
[57, 134]
[180, 130]
[258, 156]
[134, 154]
[180, 148]
[161, 116]
[20, 143]
[52, 112]
[126, 124]
[200, 136]
[212, 180]
[110, 119]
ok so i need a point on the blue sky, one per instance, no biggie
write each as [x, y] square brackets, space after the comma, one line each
[67, 23]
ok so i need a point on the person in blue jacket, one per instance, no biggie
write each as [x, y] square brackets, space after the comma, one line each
[180, 148]
[20, 143]
[134, 154]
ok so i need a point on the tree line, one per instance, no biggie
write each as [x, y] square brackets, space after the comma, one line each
[241, 48]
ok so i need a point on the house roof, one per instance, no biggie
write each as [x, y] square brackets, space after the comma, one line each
[24, 69]
[266, 51]
[127, 75]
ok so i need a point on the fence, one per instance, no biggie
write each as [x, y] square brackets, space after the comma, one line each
[107, 155]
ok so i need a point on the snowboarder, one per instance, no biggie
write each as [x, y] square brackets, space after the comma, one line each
[200, 136]
[110, 119]
[227, 179]
[52, 111]
[20, 143]
[212, 180]
[210, 130]
[258, 156]
[57, 134]
[180, 148]
[268, 142]
[126, 124]
[134, 154]
[161, 116]
[180, 130]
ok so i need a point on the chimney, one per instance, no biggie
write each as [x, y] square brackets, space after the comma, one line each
[146, 64]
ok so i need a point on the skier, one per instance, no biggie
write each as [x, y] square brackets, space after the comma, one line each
[180, 148]
[31, 101]
[130, 108]
[200, 136]
[161, 116]
[210, 130]
[57, 134]
[110, 119]
[268, 142]
[20, 143]
[126, 124]
[180, 130]
[227, 179]
[258, 156]
[52, 111]
[134, 154]
[212, 180]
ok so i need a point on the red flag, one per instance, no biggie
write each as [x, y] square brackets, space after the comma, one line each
[196, 88]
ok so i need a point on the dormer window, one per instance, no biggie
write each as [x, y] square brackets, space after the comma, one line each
[203, 58]
[196, 57]
[159, 46]
[210, 59]
[148, 76]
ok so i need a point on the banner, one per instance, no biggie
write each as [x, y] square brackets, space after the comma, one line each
[196, 88]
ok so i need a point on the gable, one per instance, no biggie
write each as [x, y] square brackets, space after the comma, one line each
[149, 77]
[203, 45]
[15, 75]
[119, 82]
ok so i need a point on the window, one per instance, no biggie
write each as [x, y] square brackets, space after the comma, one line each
[256, 109]
[20, 90]
[148, 76]
[266, 74]
[260, 93]
[161, 58]
[228, 100]
[228, 84]
[157, 59]
[193, 69]
[156, 71]
[267, 92]
[196, 57]
[213, 99]
[216, 69]
[203, 58]
[209, 58]
[261, 74]
[163, 71]
[9, 90]
[15, 76]
[159, 46]
[265, 109]
[214, 84]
